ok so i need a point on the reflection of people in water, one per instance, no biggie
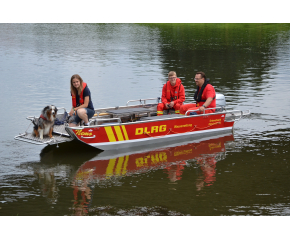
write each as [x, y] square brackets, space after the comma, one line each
[208, 167]
[82, 192]
[175, 171]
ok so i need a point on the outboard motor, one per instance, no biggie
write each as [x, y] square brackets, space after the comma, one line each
[220, 102]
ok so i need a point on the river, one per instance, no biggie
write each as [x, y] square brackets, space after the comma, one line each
[245, 174]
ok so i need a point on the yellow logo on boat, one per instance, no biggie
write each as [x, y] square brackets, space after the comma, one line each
[117, 133]
[153, 129]
[182, 126]
[214, 121]
[81, 133]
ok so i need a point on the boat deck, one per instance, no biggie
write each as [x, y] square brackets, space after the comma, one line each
[60, 130]
[125, 111]
[29, 137]
[59, 134]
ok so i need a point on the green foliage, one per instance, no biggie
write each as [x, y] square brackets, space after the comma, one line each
[224, 51]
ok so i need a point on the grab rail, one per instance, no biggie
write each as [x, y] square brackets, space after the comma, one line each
[217, 108]
[94, 136]
[144, 100]
[104, 120]
[31, 118]
[237, 114]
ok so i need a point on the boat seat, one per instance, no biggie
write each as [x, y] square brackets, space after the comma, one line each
[126, 111]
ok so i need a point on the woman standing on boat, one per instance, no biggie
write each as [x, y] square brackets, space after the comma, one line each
[82, 106]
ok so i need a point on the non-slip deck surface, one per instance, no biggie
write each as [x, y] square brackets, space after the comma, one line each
[129, 110]
[29, 137]
[60, 129]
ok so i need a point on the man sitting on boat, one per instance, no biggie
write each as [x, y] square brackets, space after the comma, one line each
[204, 96]
[173, 94]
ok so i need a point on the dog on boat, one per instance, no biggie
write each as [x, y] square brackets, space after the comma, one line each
[44, 125]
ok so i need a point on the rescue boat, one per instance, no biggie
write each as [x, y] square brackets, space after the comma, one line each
[137, 125]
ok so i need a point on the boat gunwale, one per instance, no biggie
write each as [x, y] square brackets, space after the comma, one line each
[155, 120]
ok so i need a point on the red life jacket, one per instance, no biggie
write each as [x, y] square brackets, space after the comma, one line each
[81, 97]
[202, 99]
[176, 88]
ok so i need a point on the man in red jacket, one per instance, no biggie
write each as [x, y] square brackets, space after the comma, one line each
[173, 94]
[204, 96]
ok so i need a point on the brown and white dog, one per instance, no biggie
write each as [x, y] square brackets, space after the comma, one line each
[44, 124]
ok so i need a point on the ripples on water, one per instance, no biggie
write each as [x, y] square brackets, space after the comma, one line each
[249, 64]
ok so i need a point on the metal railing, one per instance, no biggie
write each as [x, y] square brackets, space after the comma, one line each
[218, 109]
[143, 100]
[31, 118]
[104, 120]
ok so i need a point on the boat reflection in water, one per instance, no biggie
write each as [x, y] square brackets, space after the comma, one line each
[204, 153]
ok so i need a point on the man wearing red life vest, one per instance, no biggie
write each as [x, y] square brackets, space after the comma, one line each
[173, 94]
[204, 96]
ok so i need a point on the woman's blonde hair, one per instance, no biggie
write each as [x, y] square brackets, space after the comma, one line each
[72, 88]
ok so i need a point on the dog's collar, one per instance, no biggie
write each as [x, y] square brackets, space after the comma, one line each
[41, 116]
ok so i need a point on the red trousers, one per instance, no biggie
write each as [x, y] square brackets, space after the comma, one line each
[192, 106]
[161, 107]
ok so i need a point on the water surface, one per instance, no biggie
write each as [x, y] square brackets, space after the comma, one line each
[247, 174]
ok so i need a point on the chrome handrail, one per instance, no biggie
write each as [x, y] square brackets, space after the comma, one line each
[104, 120]
[140, 100]
[31, 118]
[220, 107]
